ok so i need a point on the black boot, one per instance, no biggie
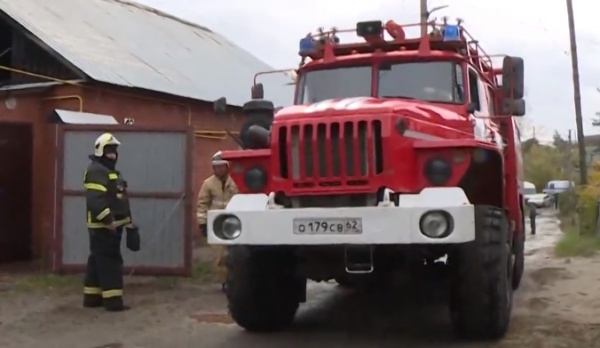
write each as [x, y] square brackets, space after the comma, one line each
[92, 301]
[115, 304]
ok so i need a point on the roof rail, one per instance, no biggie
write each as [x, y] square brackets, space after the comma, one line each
[327, 45]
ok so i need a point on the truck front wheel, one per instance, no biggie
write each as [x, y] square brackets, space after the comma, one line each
[263, 289]
[481, 279]
[519, 251]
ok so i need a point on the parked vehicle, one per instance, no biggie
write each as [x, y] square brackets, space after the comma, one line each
[529, 190]
[558, 186]
[540, 200]
[386, 163]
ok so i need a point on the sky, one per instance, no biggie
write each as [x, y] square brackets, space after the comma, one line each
[536, 30]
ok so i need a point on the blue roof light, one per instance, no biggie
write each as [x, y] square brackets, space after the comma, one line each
[451, 32]
[307, 45]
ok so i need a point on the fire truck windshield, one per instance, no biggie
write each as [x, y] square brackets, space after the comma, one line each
[338, 83]
[430, 81]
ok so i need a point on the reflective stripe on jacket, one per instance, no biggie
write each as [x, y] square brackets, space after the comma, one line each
[106, 199]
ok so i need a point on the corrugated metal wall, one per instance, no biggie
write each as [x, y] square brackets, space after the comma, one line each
[154, 165]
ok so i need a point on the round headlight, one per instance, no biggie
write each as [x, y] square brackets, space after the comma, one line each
[436, 224]
[230, 227]
[438, 171]
[255, 179]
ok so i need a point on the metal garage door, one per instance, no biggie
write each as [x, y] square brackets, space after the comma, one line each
[157, 165]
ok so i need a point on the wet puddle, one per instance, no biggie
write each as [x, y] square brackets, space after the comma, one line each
[547, 233]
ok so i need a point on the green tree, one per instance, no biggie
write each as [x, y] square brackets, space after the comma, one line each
[559, 143]
[527, 144]
[542, 163]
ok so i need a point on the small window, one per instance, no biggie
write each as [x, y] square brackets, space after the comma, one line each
[473, 89]
[492, 103]
[459, 86]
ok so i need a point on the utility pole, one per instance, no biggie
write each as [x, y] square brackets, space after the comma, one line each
[424, 18]
[577, 95]
[569, 160]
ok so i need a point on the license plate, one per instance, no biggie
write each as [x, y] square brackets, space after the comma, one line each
[328, 226]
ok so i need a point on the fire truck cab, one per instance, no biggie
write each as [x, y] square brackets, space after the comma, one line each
[399, 155]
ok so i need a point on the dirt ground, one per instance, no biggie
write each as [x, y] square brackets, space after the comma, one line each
[558, 305]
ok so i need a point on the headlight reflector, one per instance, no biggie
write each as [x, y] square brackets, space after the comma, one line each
[227, 227]
[436, 224]
[255, 179]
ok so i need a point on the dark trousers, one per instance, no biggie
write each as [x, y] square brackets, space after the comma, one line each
[532, 224]
[103, 281]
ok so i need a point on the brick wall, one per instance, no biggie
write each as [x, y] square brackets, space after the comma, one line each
[152, 109]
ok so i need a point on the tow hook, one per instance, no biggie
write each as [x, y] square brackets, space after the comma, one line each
[359, 259]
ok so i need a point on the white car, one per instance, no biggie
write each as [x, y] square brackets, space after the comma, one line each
[558, 186]
[540, 200]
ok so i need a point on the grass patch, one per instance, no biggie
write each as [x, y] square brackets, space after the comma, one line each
[203, 271]
[45, 282]
[574, 244]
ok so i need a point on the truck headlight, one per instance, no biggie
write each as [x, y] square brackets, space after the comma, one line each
[255, 179]
[227, 227]
[438, 171]
[436, 224]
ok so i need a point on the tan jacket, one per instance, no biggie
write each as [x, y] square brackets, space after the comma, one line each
[214, 194]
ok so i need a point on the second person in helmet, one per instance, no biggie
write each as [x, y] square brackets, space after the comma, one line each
[215, 193]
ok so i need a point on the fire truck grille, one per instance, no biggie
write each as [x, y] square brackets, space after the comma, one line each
[338, 152]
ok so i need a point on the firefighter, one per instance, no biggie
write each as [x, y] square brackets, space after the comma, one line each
[215, 193]
[107, 213]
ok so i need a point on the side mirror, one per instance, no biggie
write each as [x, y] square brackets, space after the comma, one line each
[513, 78]
[258, 91]
[220, 106]
[514, 107]
[471, 108]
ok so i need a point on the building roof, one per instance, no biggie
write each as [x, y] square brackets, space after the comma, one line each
[129, 44]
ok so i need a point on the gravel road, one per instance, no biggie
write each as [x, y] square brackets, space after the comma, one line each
[557, 306]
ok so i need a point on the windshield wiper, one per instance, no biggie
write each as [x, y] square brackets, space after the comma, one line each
[397, 96]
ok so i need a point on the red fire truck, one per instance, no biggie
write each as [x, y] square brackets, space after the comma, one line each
[399, 155]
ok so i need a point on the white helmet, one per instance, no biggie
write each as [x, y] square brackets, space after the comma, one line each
[217, 159]
[102, 141]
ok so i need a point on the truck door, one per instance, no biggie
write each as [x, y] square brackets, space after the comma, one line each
[478, 98]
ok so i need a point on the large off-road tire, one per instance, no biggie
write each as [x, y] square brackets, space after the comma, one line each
[481, 279]
[263, 289]
[519, 254]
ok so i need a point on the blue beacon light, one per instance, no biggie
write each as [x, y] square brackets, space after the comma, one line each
[451, 32]
[307, 45]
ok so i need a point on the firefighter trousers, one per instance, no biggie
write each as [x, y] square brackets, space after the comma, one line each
[103, 281]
